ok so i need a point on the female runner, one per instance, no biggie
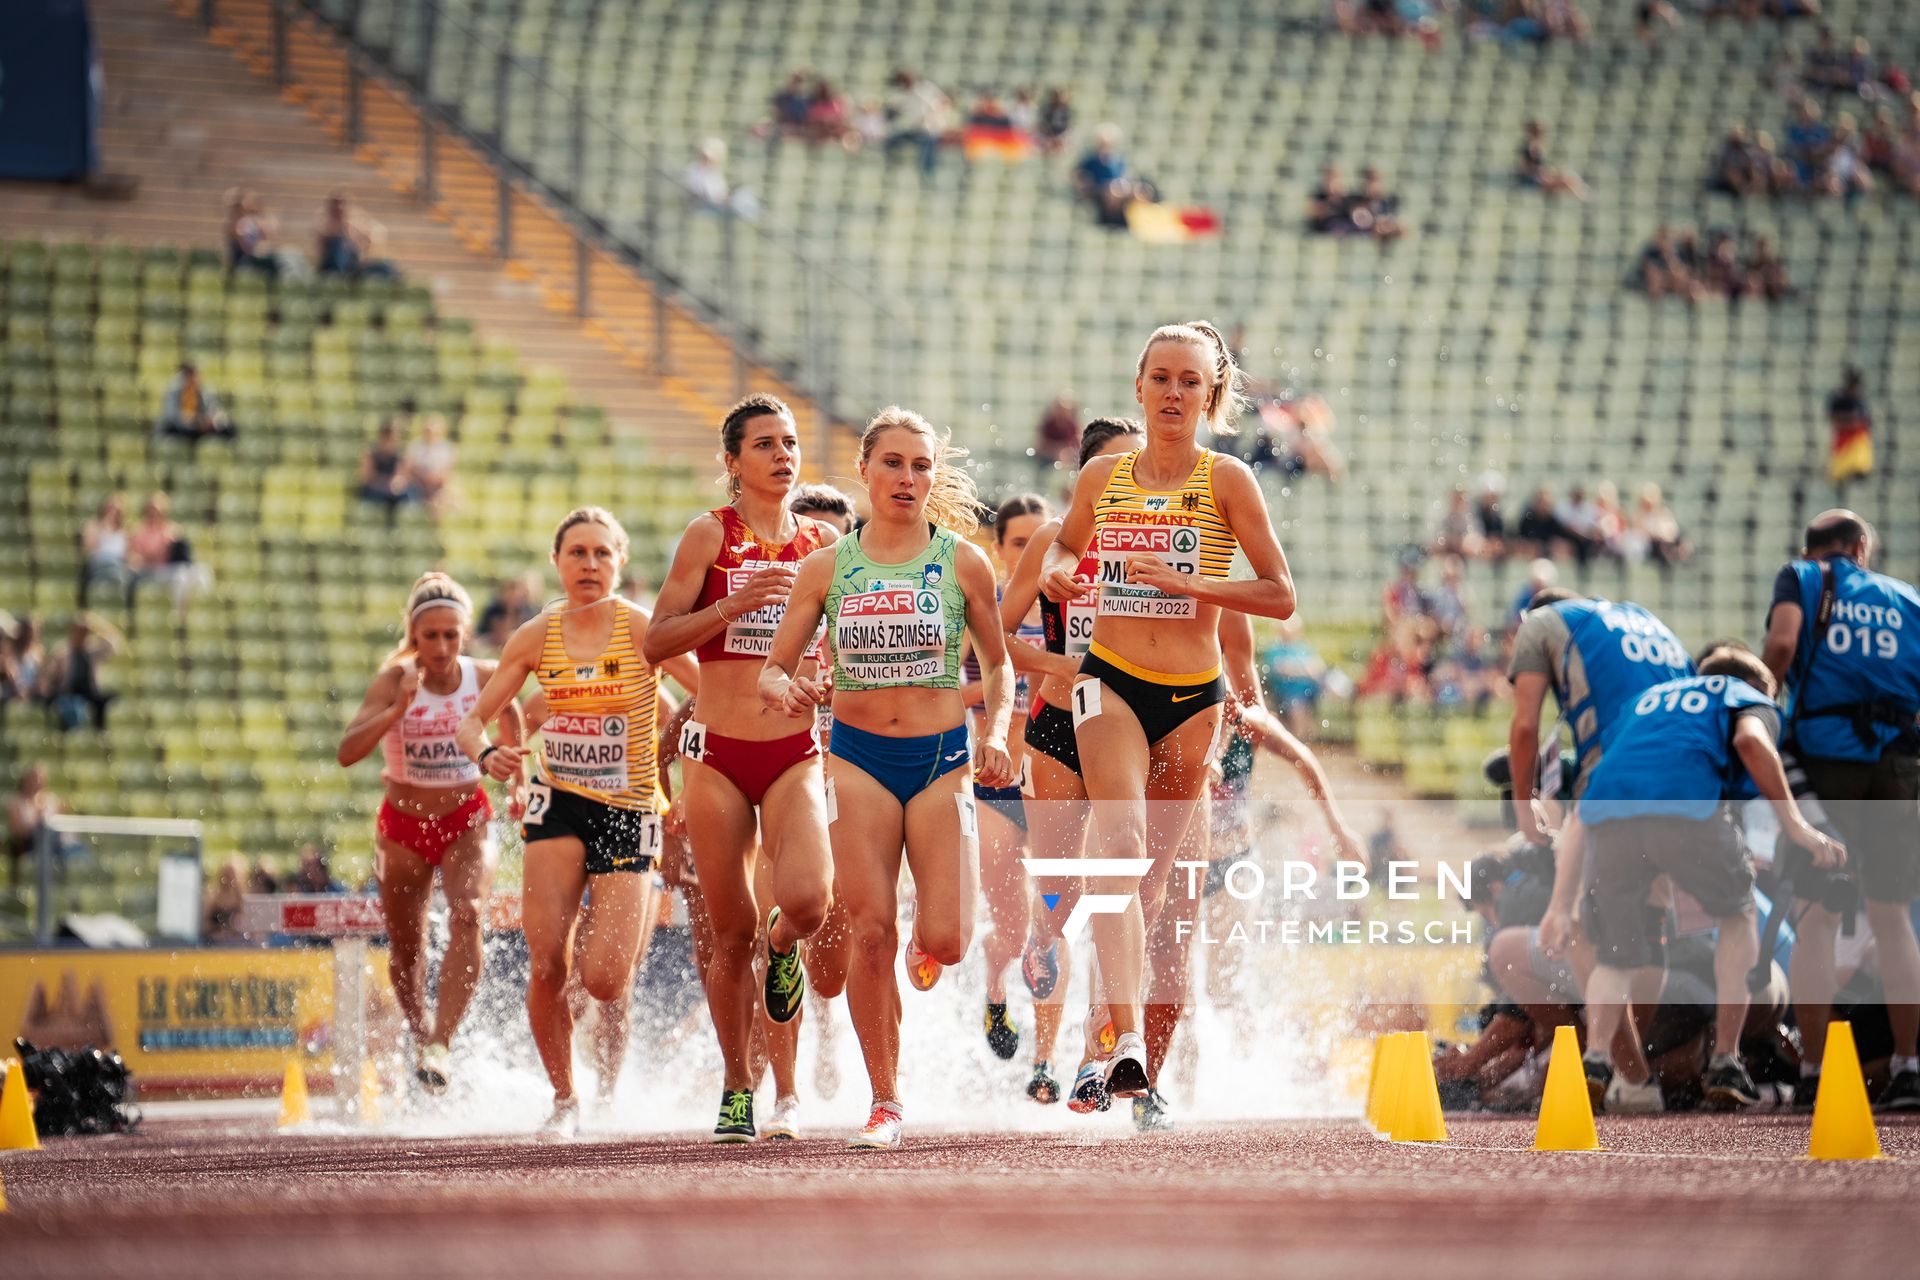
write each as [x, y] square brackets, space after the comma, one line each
[591, 815]
[1163, 523]
[897, 597]
[1057, 816]
[435, 815]
[744, 760]
[1003, 816]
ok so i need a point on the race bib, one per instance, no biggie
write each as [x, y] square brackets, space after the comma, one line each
[751, 634]
[693, 742]
[892, 635]
[1086, 701]
[539, 800]
[1175, 545]
[586, 751]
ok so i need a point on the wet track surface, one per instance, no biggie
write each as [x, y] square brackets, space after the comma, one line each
[1703, 1196]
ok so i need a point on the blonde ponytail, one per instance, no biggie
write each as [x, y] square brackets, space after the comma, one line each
[1226, 396]
[431, 590]
[952, 503]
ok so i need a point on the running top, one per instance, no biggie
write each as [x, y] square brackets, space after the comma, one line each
[744, 553]
[1068, 628]
[896, 624]
[598, 740]
[1180, 527]
[419, 746]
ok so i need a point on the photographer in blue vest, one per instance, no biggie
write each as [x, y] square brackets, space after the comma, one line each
[1846, 642]
[1660, 803]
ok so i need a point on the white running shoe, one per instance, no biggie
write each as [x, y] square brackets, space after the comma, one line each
[1127, 1068]
[784, 1124]
[1624, 1098]
[434, 1068]
[564, 1123]
[882, 1131]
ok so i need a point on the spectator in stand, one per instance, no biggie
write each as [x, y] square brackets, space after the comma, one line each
[159, 553]
[1808, 139]
[1663, 268]
[1833, 69]
[1329, 208]
[1297, 677]
[1846, 173]
[706, 181]
[511, 606]
[1579, 520]
[1766, 274]
[348, 240]
[226, 898]
[1782, 180]
[826, 114]
[1295, 436]
[248, 233]
[1541, 574]
[314, 875]
[1882, 136]
[190, 410]
[1850, 456]
[869, 127]
[1723, 275]
[1402, 599]
[1539, 533]
[73, 673]
[23, 660]
[260, 878]
[1100, 178]
[1536, 172]
[1654, 532]
[428, 465]
[1906, 151]
[1565, 20]
[1458, 533]
[1609, 521]
[1748, 10]
[1649, 15]
[1449, 604]
[1059, 432]
[28, 808]
[917, 117]
[790, 106]
[1056, 120]
[104, 546]
[1376, 211]
[1737, 168]
[1492, 521]
[383, 470]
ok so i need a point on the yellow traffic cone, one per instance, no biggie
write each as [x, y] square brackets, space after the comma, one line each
[1416, 1116]
[1566, 1112]
[369, 1093]
[16, 1111]
[294, 1109]
[1384, 1087]
[3, 1195]
[1842, 1119]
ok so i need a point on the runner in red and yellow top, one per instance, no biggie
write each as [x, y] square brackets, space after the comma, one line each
[591, 813]
[753, 778]
[435, 815]
[1163, 523]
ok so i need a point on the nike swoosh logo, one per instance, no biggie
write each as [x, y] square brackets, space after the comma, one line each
[958, 755]
[1186, 697]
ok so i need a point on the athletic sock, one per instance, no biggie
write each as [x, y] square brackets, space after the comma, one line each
[1903, 1062]
[1809, 1071]
[1725, 1060]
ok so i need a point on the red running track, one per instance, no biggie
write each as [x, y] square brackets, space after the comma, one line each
[1696, 1196]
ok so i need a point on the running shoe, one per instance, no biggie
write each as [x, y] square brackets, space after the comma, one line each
[1599, 1075]
[1099, 1030]
[785, 1124]
[1624, 1098]
[1089, 1091]
[1040, 967]
[1043, 1088]
[736, 1116]
[1806, 1093]
[1728, 1086]
[786, 977]
[434, 1069]
[1126, 1073]
[1150, 1113]
[882, 1130]
[564, 1123]
[1901, 1094]
[922, 969]
[1002, 1036]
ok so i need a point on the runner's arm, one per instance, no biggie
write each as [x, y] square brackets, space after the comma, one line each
[517, 662]
[1062, 558]
[1269, 593]
[1016, 601]
[378, 711]
[990, 642]
[806, 604]
[673, 630]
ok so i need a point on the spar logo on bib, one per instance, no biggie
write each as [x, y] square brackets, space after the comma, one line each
[927, 602]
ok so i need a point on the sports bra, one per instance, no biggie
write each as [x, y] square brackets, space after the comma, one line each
[1181, 527]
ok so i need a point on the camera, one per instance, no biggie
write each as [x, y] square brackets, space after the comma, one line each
[86, 1091]
[1836, 890]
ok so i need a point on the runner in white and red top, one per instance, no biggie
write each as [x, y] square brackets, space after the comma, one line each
[435, 814]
